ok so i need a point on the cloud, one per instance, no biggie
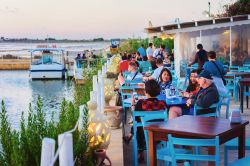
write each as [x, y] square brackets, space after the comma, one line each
[8, 9]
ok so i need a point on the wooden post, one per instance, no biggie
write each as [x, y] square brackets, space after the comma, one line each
[66, 151]
[48, 151]
[95, 83]
[80, 124]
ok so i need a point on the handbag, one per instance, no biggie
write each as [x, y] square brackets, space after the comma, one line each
[222, 77]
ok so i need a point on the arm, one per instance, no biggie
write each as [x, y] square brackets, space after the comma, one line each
[209, 98]
[194, 61]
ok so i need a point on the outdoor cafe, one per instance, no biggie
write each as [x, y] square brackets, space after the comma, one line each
[182, 139]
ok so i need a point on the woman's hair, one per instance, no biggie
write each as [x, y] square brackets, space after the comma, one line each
[192, 86]
[144, 58]
[211, 54]
[152, 88]
[169, 73]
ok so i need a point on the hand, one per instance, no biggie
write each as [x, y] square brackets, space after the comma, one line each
[189, 102]
[186, 94]
[188, 65]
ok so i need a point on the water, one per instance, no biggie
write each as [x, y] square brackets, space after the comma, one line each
[21, 49]
[17, 91]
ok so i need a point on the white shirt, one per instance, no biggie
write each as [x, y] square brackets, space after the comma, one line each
[149, 51]
[156, 52]
[157, 73]
[132, 76]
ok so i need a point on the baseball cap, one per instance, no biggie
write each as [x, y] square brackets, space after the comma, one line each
[205, 74]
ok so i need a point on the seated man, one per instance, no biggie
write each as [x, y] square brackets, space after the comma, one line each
[124, 64]
[157, 71]
[207, 95]
[133, 75]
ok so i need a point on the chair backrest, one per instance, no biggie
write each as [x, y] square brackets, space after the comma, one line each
[126, 92]
[213, 106]
[234, 68]
[145, 116]
[135, 81]
[150, 118]
[225, 101]
[172, 141]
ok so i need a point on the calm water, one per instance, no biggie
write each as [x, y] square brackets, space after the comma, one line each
[21, 49]
[17, 91]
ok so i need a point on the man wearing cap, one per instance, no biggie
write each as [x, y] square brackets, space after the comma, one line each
[207, 95]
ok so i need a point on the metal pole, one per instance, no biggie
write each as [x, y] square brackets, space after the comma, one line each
[209, 6]
[230, 38]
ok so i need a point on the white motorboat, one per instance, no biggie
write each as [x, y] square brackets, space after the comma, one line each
[48, 65]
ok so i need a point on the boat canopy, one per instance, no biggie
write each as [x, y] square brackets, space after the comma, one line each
[47, 49]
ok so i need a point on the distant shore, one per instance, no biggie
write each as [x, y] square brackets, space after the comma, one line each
[51, 41]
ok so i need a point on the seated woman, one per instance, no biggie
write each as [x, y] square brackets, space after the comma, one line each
[151, 103]
[193, 86]
[207, 95]
[165, 80]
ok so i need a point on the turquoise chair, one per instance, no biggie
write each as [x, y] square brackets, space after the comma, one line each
[232, 85]
[194, 66]
[233, 68]
[225, 101]
[245, 94]
[241, 162]
[187, 72]
[149, 118]
[126, 92]
[214, 114]
[159, 115]
[175, 156]
[233, 145]
[243, 69]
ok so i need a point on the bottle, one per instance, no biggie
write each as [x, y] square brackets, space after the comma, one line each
[172, 91]
[135, 97]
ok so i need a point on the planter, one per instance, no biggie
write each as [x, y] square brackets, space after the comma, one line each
[100, 156]
[113, 114]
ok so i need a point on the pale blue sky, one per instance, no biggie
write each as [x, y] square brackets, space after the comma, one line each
[78, 19]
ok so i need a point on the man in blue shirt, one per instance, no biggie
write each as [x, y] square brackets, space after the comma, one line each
[141, 50]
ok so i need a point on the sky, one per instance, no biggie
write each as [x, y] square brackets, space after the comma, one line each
[87, 19]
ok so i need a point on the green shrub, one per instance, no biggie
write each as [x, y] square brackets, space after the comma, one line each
[22, 148]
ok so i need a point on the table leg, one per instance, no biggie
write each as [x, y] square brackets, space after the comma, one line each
[241, 98]
[211, 151]
[242, 142]
[152, 149]
[247, 96]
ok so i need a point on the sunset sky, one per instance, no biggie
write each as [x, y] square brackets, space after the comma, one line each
[85, 19]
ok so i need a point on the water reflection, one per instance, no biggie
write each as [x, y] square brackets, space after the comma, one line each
[17, 90]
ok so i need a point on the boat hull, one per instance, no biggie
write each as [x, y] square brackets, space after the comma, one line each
[55, 71]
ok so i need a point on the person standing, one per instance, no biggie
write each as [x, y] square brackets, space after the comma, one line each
[216, 68]
[149, 50]
[200, 57]
[141, 50]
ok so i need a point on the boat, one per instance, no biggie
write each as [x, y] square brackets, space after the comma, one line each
[47, 63]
